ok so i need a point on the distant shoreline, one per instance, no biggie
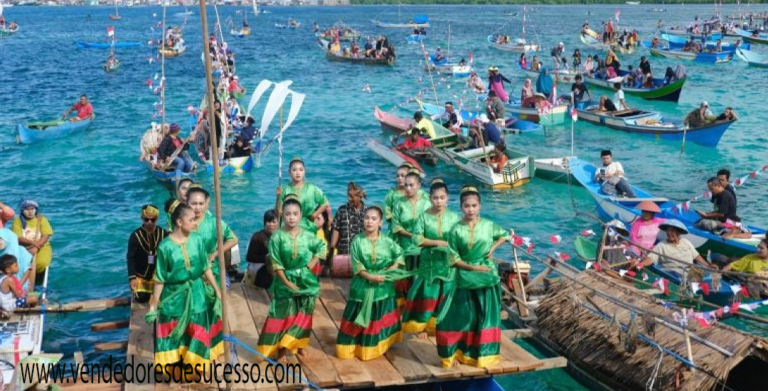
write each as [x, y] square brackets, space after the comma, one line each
[541, 3]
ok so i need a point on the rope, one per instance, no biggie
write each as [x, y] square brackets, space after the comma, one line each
[655, 373]
[235, 341]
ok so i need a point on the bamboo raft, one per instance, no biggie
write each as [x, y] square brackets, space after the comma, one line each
[413, 361]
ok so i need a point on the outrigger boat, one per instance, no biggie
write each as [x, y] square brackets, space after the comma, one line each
[752, 58]
[389, 60]
[418, 22]
[519, 45]
[394, 156]
[760, 38]
[678, 42]
[652, 124]
[623, 209]
[33, 132]
[706, 57]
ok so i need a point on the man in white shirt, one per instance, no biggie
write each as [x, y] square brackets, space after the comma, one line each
[449, 118]
[611, 175]
[617, 103]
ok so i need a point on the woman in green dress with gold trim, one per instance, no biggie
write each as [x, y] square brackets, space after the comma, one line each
[404, 215]
[293, 252]
[199, 200]
[470, 330]
[396, 193]
[371, 320]
[186, 298]
[313, 201]
[428, 291]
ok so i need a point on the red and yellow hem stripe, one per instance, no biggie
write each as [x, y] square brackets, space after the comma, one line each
[287, 342]
[187, 356]
[481, 362]
[413, 326]
[366, 353]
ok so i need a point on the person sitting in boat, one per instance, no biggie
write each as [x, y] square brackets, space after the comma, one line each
[756, 263]
[576, 58]
[631, 78]
[475, 83]
[697, 117]
[725, 208]
[293, 23]
[239, 148]
[355, 49]
[422, 31]
[589, 67]
[522, 61]
[578, 89]
[544, 83]
[315, 27]
[727, 115]
[12, 293]
[450, 118]
[611, 175]
[499, 157]
[111, 61]
[171, 142]
[526, 92]
[645, 229]
[494, 107]
[368, 48]
[718, 46]
[676, 254]
[535, 64]
[424, 125]
[346, 52]
[84, 110]
[485, 133]
[438, 56]
[615, 104]
[414, 141]
[655, 43]
[615, 248]
[612, 61]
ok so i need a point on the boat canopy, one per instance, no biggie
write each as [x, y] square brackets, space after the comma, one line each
[421, 19]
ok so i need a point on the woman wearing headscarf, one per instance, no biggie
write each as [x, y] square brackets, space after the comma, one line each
[9, 244]
[496, 83]
[34, 232]
[612, 61]
[544, 82]
[142, 253]
[527, 91]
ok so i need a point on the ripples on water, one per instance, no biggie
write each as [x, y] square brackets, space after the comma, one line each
[91, 185]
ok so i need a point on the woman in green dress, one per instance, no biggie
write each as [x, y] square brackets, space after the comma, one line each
[293, 252]
[371, 321]
[404, 215]
[199, 200]
[470, 331]
[313, 201]
[396, 193]
[428, 291]
[186, 298]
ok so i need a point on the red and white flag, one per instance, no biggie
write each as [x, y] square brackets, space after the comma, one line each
[574, 114]
[587, 232]
[110, 31]
[618, 13]
[563, 256]
[555, 239]
[471, 57]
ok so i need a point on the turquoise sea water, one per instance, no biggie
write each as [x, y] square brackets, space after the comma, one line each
[91, 185]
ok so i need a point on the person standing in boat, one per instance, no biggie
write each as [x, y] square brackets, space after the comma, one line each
[404, 216]
[84, 110]
[293, 252]
[469, 332]
[311, 197]
[371, 320]
[199, 200]
[34, 232]
[496, 83]
[428, 291]
[142, 254]
[494, 107]
[185, 299]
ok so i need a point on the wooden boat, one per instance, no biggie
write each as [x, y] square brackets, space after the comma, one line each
[554, 169]
[359, 60]
[349, 35]
[418, 22]
[392, 122]
[431, 109]
[543, 113]
[597, 43]
[9, 31]
[394, 156]
[623, 209]
[518, 45]
[700, 37]
[292, 25]
[518, 171]
[242, 33]
[173, 52]
[33, 132]
[660, 91]
[679, 41]
[760, 39]
[677, 54]
[106, 45]
[116, 16]
[752, 58]
[652, 124]
[235, 165]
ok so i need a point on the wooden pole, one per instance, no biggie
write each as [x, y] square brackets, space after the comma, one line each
[688, 340]
[602, 246]
[216, 173]
[523, 310]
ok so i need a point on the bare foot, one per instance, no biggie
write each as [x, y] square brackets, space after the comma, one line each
[281, 356]
[455, 364]
[422, 335]
[303, 353]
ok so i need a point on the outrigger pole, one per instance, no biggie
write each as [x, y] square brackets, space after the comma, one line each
[216, 174]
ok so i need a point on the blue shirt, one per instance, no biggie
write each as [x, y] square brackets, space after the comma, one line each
[492, 133]
[247, 133]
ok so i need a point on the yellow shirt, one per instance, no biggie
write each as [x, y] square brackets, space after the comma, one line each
[751, 263]
[426, 125]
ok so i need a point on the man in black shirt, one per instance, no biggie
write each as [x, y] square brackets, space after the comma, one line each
[578, 89]
[725, 207]
[142, 250]
[645, 66]
[724, 176]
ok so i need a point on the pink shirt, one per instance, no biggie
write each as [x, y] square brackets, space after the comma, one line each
[644, 233]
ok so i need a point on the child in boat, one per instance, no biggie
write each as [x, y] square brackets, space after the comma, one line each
[12, 295]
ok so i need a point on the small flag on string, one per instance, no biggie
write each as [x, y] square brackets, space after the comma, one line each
[662, 284]
[618, 14]
[587, 232]
[562, 256]
[555, 239]
[703, 322]
[734, 308]
[574, 114]
[704, 288]
[695, 287]
[471, 57]
[110, 31]
[517, 240]
[735, 288]
[645, 276]
[589, 265]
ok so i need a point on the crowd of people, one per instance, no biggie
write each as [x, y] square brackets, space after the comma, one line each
[380, 48]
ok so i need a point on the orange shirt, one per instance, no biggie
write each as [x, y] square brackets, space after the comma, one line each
[498, 162]
[420, 143]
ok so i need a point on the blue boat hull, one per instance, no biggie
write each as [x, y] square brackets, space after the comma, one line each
[234, 166]
[27, 135]
[167, 178]
[415, 38]
[105, 45]
[623, 209]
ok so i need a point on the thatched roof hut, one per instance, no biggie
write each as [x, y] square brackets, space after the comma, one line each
[587, 319]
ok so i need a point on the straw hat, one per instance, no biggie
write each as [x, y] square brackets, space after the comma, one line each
[618, 226]
[672, 223]
[648, 206]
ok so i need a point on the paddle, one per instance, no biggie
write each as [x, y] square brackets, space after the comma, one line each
[177, 151]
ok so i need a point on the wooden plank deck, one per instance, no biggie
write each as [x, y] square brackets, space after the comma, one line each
[412, 361]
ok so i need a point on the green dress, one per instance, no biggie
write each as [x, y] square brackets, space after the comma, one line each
[187, 303]
[470, 331]
[393, 196]
[206, 227]
[404, 216]
[289, 322]
[428, 291]
[369, 337]
[310, 197]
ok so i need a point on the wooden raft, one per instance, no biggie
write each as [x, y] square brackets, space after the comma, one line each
[412, 361]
